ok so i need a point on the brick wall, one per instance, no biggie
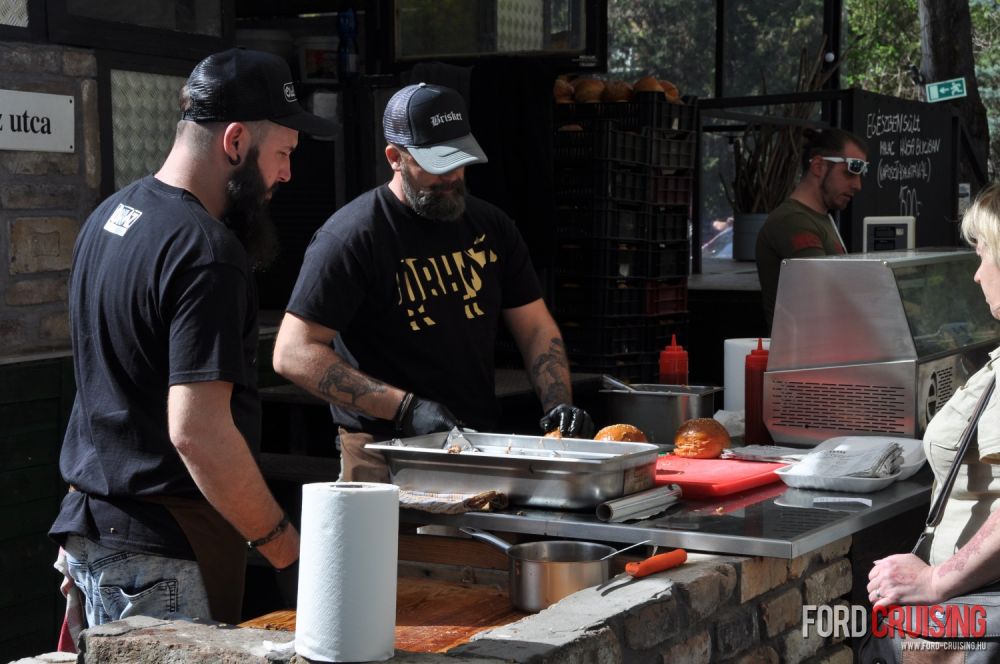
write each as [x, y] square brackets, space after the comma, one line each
[44, 197]
[727, 609]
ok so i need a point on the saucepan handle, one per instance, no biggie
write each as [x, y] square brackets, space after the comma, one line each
[659, 563]
[489, 538]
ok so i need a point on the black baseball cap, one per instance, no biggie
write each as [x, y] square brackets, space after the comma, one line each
[241, 85]
[432, 123]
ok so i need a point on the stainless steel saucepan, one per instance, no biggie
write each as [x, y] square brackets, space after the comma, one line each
[542, 573]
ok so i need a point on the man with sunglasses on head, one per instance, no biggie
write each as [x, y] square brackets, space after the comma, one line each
[833, 164]
[394, 315]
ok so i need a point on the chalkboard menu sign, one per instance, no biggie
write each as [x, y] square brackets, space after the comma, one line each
[912, 167]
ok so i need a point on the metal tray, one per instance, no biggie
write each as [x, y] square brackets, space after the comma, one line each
[560, 473]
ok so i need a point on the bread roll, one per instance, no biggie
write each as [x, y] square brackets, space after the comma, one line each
[587, 90]
[616, 91]
[671, 92]
[647, 84]
[701, 438]
[621, 433]
[562, 90]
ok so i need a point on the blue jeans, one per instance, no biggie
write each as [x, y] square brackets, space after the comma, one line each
[119, 584]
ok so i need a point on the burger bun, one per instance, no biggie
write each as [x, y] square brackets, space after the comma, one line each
[621, 433]
[701, 438]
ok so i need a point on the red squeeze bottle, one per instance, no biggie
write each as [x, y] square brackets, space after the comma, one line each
[753, 384]
[673, 364]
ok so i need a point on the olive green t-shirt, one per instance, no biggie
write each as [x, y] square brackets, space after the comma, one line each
[792, 230]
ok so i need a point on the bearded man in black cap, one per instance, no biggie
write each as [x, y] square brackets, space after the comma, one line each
[395, 312]
[160, 448]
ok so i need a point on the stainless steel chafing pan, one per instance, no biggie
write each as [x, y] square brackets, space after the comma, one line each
[559, 473]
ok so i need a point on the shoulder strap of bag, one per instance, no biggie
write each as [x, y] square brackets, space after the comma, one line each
[937, 509]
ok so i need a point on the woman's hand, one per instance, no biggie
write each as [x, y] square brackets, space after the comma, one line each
[902, 579]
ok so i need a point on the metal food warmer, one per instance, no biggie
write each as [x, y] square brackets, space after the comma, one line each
[873, 343]
[533, 471]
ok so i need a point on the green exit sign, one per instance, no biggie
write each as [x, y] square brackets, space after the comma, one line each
[951, 89]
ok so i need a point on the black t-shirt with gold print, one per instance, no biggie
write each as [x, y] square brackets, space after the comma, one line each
[416, 302]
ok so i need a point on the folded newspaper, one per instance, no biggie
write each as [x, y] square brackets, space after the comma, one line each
[881, 459]
[770, 453]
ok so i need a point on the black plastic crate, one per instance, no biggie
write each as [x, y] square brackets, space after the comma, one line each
[669, 189]
[668, 259]
[632, 368]
[662, 328]
[609, 298]
[600, 181]
[611, 221]
[676, 117]
[629, 115]
[666, 296]
[666, 225]
[594, 296]
[645, 110]
[602, 141]
[616, 259]
[670, 150]
[607, 337]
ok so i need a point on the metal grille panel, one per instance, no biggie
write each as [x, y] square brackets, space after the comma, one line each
[839, 407]
[14, 13]
[945, 384]
[144, 112]
[519, 25]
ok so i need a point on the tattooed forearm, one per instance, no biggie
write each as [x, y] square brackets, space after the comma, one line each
[343, 385]
[549, 373]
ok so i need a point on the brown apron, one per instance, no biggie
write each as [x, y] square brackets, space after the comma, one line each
[358, 464]
[220, 551]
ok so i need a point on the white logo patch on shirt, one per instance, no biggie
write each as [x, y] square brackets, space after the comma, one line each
[122, 219]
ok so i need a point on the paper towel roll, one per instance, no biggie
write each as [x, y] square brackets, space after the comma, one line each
[347, 572]
[734, 368]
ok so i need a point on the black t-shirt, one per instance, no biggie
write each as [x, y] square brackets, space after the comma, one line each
[415, 301]
[160, 294]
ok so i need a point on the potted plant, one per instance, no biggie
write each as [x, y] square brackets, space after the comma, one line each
[767, 157]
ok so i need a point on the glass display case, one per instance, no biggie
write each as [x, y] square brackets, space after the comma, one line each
[873, 343]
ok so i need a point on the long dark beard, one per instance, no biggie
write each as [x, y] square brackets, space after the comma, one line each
[439, 202]
[247, 213]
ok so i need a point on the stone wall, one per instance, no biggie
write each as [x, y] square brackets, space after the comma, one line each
[727, 609]
[44, 197]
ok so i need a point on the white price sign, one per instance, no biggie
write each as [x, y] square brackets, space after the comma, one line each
[36, 121]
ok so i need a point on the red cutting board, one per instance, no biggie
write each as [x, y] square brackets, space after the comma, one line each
[707, 478]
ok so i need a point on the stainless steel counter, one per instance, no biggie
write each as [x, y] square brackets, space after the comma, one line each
[774, 520]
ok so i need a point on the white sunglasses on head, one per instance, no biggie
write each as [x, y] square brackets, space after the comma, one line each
[854, 165]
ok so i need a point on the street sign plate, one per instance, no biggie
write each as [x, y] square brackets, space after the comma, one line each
[942, 90]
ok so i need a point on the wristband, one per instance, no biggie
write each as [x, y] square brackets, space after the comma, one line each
[271, 536]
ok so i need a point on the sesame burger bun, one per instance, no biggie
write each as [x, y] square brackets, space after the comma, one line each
[621, 433]
[701, 438]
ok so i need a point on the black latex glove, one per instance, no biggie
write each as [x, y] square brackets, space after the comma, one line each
[422, 416]
[571, 421]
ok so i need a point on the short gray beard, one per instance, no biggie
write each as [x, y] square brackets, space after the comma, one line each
[433, 203]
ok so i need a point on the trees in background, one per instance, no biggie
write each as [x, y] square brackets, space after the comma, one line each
[900, 45]
[889, 52]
